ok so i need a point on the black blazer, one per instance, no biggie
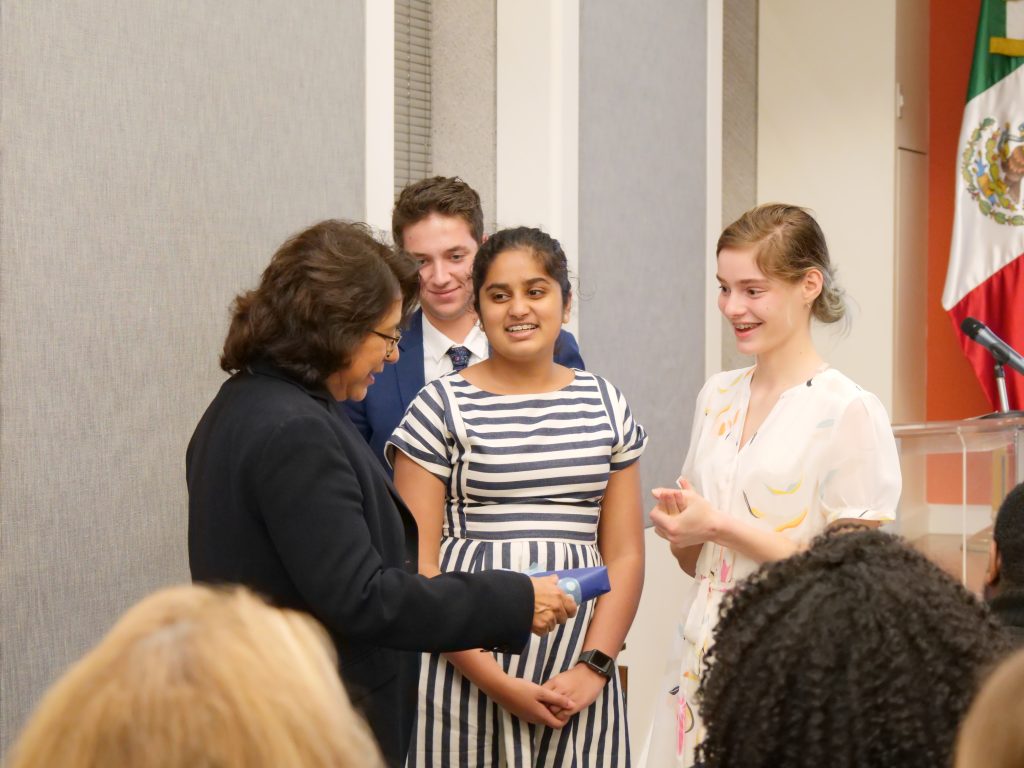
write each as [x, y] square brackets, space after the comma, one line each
[378, 414]
[286, 497]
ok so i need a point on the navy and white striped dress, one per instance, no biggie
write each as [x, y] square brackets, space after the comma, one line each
[525, 476]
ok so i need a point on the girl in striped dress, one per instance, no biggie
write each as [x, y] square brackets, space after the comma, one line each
[520, 463]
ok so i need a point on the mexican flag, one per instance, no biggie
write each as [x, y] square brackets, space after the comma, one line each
[986, 260]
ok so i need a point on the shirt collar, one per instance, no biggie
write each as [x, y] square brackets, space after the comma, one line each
[436, 344]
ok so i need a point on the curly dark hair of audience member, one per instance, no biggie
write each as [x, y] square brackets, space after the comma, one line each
[545, 249]
[857, 652]
[323, 292]
[1008, 534]
[443, 195]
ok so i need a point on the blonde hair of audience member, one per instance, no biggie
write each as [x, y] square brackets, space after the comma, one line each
[198, 676]
[991, 735]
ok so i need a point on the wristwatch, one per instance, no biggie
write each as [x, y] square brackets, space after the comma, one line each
[599, 662]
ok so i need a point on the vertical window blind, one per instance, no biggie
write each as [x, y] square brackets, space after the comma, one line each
[412, 91]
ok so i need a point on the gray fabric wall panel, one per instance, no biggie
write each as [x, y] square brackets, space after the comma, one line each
[739, 133]
[642, 212]
[465, 111]
[153, 155]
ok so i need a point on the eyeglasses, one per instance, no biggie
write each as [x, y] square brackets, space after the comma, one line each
[391, 340]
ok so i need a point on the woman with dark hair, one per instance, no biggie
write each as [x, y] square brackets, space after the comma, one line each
[518, 462]
[856, 652]
[778, 450]
[287, 498]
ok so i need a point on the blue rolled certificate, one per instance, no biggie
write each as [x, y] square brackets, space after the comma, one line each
[581, 583]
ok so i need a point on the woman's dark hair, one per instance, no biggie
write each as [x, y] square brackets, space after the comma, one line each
[544, 247]
[857, 652]
[788, 244]
[323, 292]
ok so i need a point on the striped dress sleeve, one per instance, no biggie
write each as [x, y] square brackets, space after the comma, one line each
[630, 436]
[423, 434]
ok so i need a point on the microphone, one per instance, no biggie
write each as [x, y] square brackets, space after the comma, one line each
[1003, 353]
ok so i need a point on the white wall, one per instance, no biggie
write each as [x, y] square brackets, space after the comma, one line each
[826, 141]
[379, 113]
[538, 87]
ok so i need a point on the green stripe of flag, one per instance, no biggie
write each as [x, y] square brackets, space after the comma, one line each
[989, 68]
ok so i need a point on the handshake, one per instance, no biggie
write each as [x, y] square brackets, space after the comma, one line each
[557, 595]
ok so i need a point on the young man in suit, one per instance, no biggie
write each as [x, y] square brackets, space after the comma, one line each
[440, 223]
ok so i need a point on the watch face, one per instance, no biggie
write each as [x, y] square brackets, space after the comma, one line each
[598, 661]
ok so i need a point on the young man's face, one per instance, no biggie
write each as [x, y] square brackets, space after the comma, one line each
[444, 249]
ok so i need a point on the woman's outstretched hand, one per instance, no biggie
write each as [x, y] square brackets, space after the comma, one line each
[682, 516]
[551, 605]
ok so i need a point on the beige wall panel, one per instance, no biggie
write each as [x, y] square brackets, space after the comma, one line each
[909, 328]
[912, 20]
[909, 332]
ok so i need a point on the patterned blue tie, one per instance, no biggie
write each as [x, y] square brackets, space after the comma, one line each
[459, 356]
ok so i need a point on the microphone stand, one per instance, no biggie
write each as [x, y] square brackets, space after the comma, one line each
[1004, 401]
[1002, 354]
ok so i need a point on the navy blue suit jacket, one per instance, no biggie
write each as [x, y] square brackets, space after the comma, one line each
[377, 415]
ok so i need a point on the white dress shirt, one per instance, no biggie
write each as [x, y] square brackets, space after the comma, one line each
[436, 362]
